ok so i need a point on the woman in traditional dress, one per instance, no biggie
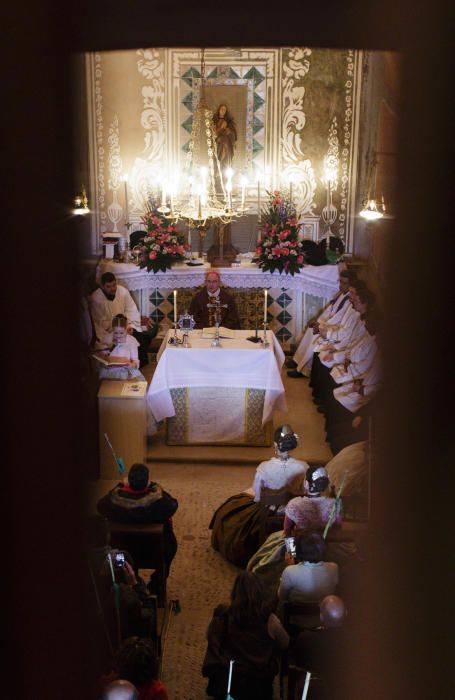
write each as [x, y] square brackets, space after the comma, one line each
[237, 525]
[309, 513]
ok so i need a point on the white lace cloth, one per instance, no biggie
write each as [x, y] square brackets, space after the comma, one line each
[238, 363]
[322, 281]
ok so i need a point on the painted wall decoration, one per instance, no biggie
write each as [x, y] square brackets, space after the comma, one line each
[295, 108]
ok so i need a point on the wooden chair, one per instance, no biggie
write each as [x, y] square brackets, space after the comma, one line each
[296, 617]
[302, 615]
[145, 542]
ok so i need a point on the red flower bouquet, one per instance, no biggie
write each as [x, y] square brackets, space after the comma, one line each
[163, 244]
[279, 246]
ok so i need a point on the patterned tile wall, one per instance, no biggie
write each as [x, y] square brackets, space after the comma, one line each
[282, 309]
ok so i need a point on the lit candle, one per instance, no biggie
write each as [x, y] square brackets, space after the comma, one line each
[163, 197]
[127, 216]
[265, 306]
[290, 190]
[243, 182]
[172, 201]
[229, 194]
[175, 306]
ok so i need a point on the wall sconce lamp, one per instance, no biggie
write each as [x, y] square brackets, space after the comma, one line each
[81, 203]
[370, 209]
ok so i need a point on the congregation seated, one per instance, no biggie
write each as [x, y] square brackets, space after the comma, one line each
[307, 577]
[248, 632]
[238, 524]
[138, 500]
[307, 513]
[136, 663]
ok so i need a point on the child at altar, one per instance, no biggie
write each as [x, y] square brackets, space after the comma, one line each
[124, 353]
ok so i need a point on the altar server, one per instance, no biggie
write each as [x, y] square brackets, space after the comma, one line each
[112, 299]
[346, 343]
[332, 315]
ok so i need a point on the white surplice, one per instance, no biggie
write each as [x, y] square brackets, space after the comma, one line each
[361, 356]
[352, 399]
[103, 311]
[332, 314]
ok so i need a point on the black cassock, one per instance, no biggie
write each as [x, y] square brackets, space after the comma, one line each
[229, 317]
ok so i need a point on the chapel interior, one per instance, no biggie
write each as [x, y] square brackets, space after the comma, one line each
[115, 114]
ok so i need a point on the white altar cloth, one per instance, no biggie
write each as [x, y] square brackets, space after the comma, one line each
[238, 363]
[322, 281]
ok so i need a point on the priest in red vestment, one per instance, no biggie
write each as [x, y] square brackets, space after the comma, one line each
[212, 294]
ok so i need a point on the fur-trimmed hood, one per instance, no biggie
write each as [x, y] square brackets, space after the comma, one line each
[129, 500]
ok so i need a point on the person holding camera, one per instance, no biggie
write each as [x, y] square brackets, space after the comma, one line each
[307, 577]
[127, 605]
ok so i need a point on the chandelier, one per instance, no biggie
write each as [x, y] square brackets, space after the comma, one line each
[206, 193]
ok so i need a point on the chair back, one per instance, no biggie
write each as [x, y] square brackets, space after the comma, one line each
[275, 497]
[145, 542]
[304, 615]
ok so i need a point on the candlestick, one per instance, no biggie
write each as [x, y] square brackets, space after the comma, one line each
[199, 209]
[265, 306]
[259, 200]
[127, 216]
[175, 306]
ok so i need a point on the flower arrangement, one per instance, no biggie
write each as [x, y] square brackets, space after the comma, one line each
[279, 246]
[162, 245]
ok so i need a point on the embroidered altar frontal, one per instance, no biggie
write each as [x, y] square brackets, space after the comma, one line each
[218, 416]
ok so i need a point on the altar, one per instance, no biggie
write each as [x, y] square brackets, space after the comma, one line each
[292, 299]
[223, 395]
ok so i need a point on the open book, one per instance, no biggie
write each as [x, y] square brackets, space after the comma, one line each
[108, 361]
[224, 332]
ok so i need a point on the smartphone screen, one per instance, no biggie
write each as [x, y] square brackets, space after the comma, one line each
[290, 545]
[120, 559]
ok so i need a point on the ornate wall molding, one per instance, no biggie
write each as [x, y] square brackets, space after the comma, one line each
[296, 97]
[147, 167]
[295, 164]
[114, 209]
